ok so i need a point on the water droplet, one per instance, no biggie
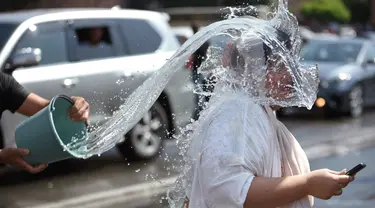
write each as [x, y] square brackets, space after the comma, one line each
[137, 170]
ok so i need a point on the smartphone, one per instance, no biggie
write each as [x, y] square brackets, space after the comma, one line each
[356, 169]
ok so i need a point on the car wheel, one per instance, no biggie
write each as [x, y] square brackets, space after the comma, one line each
[145, 140]
[356, 103]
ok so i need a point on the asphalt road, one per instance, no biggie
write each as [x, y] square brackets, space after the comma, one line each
[109, 181]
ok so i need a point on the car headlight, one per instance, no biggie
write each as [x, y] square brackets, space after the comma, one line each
[343, 76]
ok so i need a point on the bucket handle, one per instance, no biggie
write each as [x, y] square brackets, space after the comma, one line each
[52, 104]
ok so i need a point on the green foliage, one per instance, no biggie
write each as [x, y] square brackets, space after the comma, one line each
[326, 10]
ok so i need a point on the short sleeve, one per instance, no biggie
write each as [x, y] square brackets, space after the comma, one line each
[223, 173]
[14, 93]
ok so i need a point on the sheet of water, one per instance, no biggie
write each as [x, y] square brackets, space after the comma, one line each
[141, 100]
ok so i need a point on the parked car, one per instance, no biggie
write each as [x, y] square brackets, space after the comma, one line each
[347, 74]
[52, 52]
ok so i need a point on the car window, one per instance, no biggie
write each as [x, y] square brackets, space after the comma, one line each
[6, 30]
[140, 36]
[94, 42]
[50, 38]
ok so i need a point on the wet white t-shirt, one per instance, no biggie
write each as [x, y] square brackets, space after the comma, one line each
[231, 149]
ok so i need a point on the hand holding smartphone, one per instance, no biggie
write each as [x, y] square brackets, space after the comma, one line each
[356, 169]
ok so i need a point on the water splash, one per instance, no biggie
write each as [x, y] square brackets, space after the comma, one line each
[301, 93]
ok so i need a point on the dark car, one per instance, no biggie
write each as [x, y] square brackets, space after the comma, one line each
[347, 74]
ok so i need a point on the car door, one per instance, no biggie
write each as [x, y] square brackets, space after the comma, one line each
[369, 69]
[95, 70]
[45, 78]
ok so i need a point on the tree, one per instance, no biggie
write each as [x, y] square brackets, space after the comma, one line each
[326, 10]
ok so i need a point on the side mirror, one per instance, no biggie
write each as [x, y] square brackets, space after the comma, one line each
[25, 57]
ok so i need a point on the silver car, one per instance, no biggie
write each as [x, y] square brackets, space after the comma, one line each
[102, 55]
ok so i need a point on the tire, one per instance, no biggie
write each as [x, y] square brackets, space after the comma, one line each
[145, 140]
[356, 102]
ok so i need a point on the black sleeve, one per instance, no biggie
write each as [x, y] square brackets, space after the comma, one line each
[13, 94]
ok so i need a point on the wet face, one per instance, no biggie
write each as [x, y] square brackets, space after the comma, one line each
[279, 81]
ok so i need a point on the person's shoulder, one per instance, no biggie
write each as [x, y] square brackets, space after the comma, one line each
[233, 108]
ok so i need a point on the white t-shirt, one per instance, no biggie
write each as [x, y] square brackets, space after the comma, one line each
[235, 141]
[230, 151]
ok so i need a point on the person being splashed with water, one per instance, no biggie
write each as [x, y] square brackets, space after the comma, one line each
[238, 153]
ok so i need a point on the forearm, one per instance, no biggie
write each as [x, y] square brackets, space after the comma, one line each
[32, 105]
[275, 192]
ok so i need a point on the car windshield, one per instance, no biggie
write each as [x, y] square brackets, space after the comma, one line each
[331, 51]
[6, 30]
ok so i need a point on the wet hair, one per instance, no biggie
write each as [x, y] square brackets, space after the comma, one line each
[283, 38]
[237, 59]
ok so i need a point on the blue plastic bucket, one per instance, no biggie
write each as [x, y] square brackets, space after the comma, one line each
[45, 133]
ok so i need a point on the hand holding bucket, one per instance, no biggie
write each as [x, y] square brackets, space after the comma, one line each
[47, 132]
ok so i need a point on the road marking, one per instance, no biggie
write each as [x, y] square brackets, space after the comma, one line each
[146, 190]
[125, 199]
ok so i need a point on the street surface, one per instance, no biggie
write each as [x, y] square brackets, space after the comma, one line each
[109, 181]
